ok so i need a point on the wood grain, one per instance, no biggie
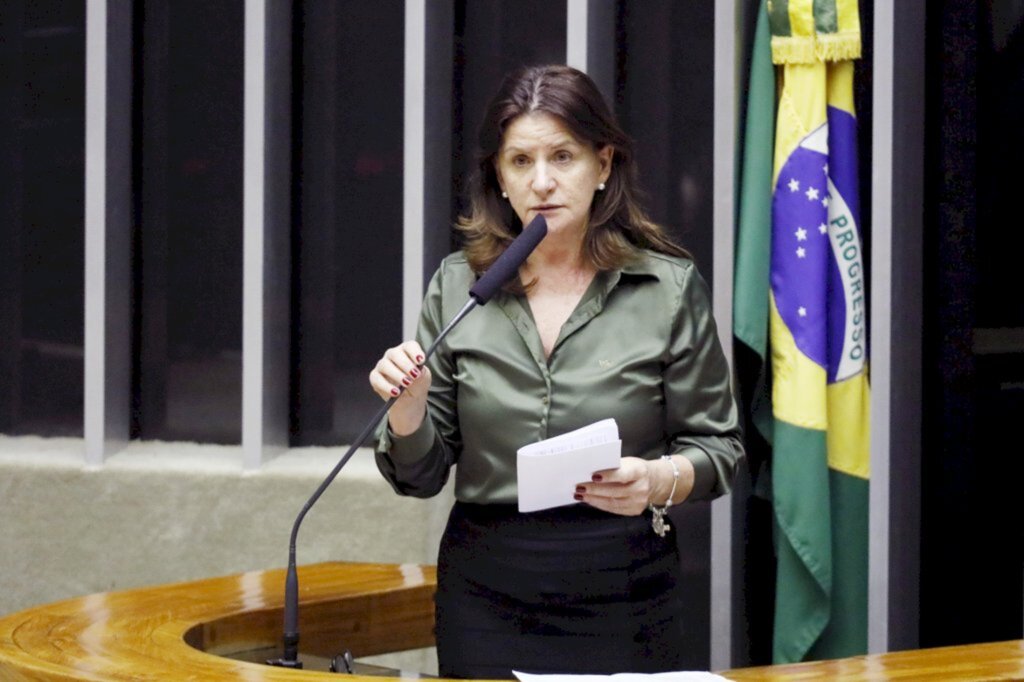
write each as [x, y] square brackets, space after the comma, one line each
[187, 631]
[994, 661]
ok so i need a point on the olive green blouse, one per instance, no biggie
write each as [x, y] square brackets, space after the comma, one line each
[640, 346]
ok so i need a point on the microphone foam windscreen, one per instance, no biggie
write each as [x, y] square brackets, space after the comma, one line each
[508, 262]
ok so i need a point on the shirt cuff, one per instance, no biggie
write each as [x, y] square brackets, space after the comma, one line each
[704, 474]
[410, 448]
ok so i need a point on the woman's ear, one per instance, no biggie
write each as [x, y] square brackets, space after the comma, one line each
[497, 176]
[604, 156]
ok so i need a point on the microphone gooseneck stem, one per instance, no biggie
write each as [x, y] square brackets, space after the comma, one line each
[291, 589]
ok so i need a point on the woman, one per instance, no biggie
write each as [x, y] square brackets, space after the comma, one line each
[608, 319]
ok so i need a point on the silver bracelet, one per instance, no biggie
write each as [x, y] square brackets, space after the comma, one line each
[658, 513]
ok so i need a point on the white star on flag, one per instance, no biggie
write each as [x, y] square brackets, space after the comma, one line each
[801, 234]
[822, 228]
[824, 202]
[802, 311]
[800, 252]
[812, 193]
[825, 168]
[794, 185]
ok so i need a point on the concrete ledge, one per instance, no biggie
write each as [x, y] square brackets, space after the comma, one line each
[163, 512]
[168, 512]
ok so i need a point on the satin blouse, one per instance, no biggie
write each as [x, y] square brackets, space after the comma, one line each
[641, 346]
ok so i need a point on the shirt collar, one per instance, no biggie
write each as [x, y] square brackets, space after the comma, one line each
[641, 267]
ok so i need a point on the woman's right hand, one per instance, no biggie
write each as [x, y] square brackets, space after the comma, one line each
[401, 373]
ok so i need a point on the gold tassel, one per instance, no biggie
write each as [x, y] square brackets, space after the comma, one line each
[823, 47]
[838, 47]
[793, 50]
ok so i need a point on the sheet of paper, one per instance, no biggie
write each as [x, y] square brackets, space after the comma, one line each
[548, 471]
[682, 676]
[604, 431]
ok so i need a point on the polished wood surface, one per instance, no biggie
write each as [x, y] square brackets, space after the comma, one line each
[188, 631]
[995, 661]
[184, 631]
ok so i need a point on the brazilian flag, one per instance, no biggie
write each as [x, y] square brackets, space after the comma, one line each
[816, 297]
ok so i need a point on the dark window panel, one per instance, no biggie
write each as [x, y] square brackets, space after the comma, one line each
[1000, 146]
[42, 150]
[347, 243]
[972, 388]
[665, 102]
[188, 242]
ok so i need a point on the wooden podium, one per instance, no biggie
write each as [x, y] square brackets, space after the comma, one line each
[222, 628]
[210, 629]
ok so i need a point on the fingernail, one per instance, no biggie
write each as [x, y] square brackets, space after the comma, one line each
[406, 381]
[596, 478]
[580, 489]
[414, 373]
[577, 497]
[420, 358]
[395, 392]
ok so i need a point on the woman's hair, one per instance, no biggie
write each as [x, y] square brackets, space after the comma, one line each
[619, 226]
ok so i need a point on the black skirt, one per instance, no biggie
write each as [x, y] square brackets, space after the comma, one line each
[567, 590]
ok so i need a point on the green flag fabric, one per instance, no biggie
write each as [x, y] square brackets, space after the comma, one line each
[754, 225]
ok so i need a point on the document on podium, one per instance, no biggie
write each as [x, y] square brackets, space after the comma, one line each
[681, 676]
[547, 472]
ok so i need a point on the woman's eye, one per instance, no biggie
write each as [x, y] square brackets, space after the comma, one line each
[520, 161]
[563, 157]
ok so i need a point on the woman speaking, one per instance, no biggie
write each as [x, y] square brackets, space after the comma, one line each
[608, 318]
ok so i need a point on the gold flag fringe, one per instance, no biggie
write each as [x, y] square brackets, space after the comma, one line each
[822, 47]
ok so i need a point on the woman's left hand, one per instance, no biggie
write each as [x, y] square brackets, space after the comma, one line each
[636, 483]
[626, 490]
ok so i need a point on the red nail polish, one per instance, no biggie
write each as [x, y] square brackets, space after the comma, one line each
[577, 497]
[414, 373]
[405, 381]
[420, 358]
[395, 392]
[580, 489]
[596, 478]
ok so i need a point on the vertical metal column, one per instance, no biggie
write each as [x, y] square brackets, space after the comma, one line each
[590, 42]
[427, 167]
[413, 168]
[727, 27]
[897, 194]
[267, 230]
[108, 217]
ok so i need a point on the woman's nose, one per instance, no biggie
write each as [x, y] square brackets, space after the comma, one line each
[543, 182]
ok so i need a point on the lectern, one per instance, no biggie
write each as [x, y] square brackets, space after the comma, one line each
[218, 629]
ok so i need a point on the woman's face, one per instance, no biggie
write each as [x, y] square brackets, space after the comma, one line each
[545, 170]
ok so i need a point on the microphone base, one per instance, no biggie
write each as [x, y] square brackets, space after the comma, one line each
[284, 663]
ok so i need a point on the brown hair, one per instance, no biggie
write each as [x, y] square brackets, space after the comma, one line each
[619, 226]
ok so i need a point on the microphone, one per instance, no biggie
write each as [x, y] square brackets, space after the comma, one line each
[502, 270]
[509, 261]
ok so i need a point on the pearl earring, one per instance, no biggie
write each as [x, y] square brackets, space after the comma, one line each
[504, 194]
[600, 187]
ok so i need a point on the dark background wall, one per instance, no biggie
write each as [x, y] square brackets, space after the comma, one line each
[972, 535]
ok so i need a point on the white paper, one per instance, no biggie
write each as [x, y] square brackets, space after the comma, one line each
[681, 676]
[548, 471]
